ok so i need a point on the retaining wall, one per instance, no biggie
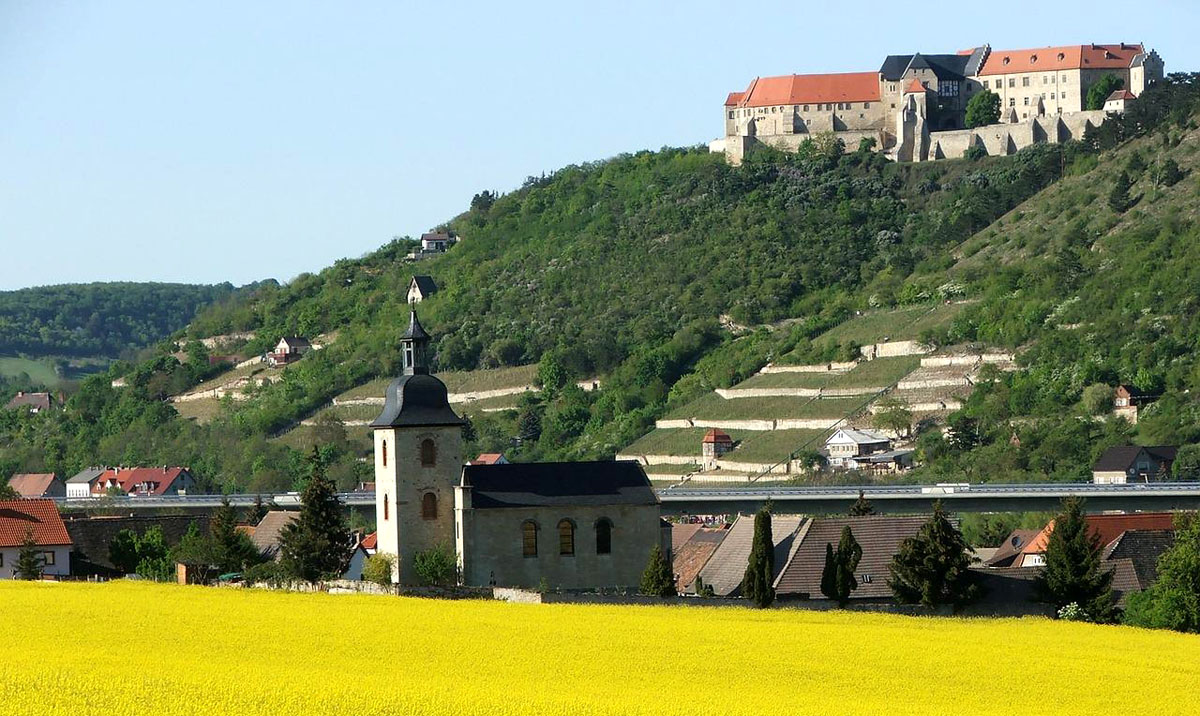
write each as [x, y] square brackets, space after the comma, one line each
[732, 393]
[824, 368]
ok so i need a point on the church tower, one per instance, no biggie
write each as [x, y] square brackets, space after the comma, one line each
[418, 459]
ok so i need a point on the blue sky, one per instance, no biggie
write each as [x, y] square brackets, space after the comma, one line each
[205, 142]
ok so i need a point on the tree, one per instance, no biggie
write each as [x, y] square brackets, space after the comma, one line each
[1097, 399]
[893, 415]
[436, 566]
[29, 559]
[1118, 199]
[7, 492]
[198, 552]
[123, 551]
[862, 506]
[317, 544]
[1171, 174]
[1073, 571]
[760, 569]
[657, 579]
[1173, 602]
[1187, 463]
[932, 568]
[983, 109]
[837, 579]
[154, 559]
[378, 569]
[233, 549]
[1100, 91]
[258, 512]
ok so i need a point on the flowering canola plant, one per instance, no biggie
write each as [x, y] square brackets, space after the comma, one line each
[137, 648]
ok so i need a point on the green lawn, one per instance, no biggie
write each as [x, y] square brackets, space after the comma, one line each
[201, 411]
[776, 445]
[894, 325]
[254, 370]
[304, 437]
[497, 403]
[459, 381]
[681, 441]
[714, 407]
[41, 372]
[878, 373]
[671, 469]
[787, 380]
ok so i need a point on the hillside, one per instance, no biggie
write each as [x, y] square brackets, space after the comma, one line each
[671, 274]
[52, 333]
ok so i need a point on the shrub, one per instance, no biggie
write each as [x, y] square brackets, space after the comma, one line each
[378, 569]
[436, 566]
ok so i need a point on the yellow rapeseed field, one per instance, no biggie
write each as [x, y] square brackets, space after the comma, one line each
[128, 648]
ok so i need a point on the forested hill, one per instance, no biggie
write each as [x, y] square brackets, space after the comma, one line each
[98, 319]
[640, 269]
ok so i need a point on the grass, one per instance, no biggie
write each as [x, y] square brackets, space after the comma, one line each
[459, 381]
[327, 654]
[673, 441]
[40, 372]
[892, 325]
[776, 445]
[201, 411]
[304, 437]
[787, 380]
[878, 373]
[254, 370]
[714, 407]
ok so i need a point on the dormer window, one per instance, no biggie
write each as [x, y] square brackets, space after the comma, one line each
[1007, 60]
[1062, 56]
[1033, 59]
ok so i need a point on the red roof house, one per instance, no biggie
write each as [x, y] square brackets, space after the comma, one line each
[38, 519]
[145, 481]
[38, 484]
[1107, 527]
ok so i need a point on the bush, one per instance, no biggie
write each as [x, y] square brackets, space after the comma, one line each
[437, 566]
[378, 569]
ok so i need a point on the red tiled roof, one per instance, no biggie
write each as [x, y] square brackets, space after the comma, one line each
[31, 484]
[370, 541]
[914, 86]
[37, 401]
[733, 99]
[131, 478]
[800, 89]
[1069, 57]
[1121, 94]
[39, 518]
[1108, 527]
[716, 436]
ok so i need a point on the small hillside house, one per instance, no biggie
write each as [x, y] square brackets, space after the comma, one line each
[40, 521]
[1127, 399]
[1119, 101]
[1133, 463]
[715, 444]
[289, 350]
[847, 447]
[36, 402]
[421, 288]
[31, 485]
[437, 242]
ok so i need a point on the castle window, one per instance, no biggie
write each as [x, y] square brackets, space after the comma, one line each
[1064, 79]
[1026, 101]
[603, 536]
[1012, 81]
[731, 115]
[1012, 101]
[1024, 81]
[385, 506]
[429, 506]
[866, 105]
[1051, 95]
[805, 108]
[428, 453]
[385, 453]
[566, 538]
[529, 538]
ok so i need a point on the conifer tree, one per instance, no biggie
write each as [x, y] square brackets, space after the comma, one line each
[29, 562]
[1073, 571]
[257, 512]
[317, 544]
[932, 568]
[837, 579]
[1118, 199]
[233, 549]
[862, 506]
[657, 579]
[756, 584]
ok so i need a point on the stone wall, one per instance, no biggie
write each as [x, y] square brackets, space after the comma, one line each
[730, 393]
[822, 368]
[894, 349]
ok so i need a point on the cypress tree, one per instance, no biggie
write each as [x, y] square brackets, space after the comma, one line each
[862, 506]
[29, 562]
[1118, 199]
[932, 568]
[837, 579]
[257, 512]
[233, 549]
[756, 584]
[657, 579]
[1073, 571]
[317, 544]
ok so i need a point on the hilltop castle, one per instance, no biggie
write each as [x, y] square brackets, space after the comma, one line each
[914, 106]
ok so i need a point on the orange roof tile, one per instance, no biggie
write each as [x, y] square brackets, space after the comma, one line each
[800, 89]
[1108, 527]
[1121, 94]
[38, 518]
[1068, 57]
[733, 99]
[31, 484]
[716, 436]
[914, 86]
[371, 541]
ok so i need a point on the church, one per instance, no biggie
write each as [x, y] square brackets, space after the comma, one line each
[570, 525]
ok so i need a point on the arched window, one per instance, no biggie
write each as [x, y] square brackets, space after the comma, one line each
[385, 506]
[603, 536]
[385, 453]
[529, 538]
[428, 453]
[566, 537]
[429, 506]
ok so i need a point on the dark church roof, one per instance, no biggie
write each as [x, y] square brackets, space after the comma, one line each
[545, 484]
[425, 285]
[414, 401]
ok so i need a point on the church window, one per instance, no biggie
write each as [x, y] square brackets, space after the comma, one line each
[385, 453]
[408, 356]
[385, 506]
[529, 538]
[603, 536]
[566, 538]
[428, 453]
[429, 506]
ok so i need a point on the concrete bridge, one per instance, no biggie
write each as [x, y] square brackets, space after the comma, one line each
[888, 499]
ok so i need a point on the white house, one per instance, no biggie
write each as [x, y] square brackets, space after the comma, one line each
[436, 242]
[421, 288]
[847, 444]
[81, 485]
[39, 520]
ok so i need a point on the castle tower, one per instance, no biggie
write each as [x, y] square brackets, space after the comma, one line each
[418, 459]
